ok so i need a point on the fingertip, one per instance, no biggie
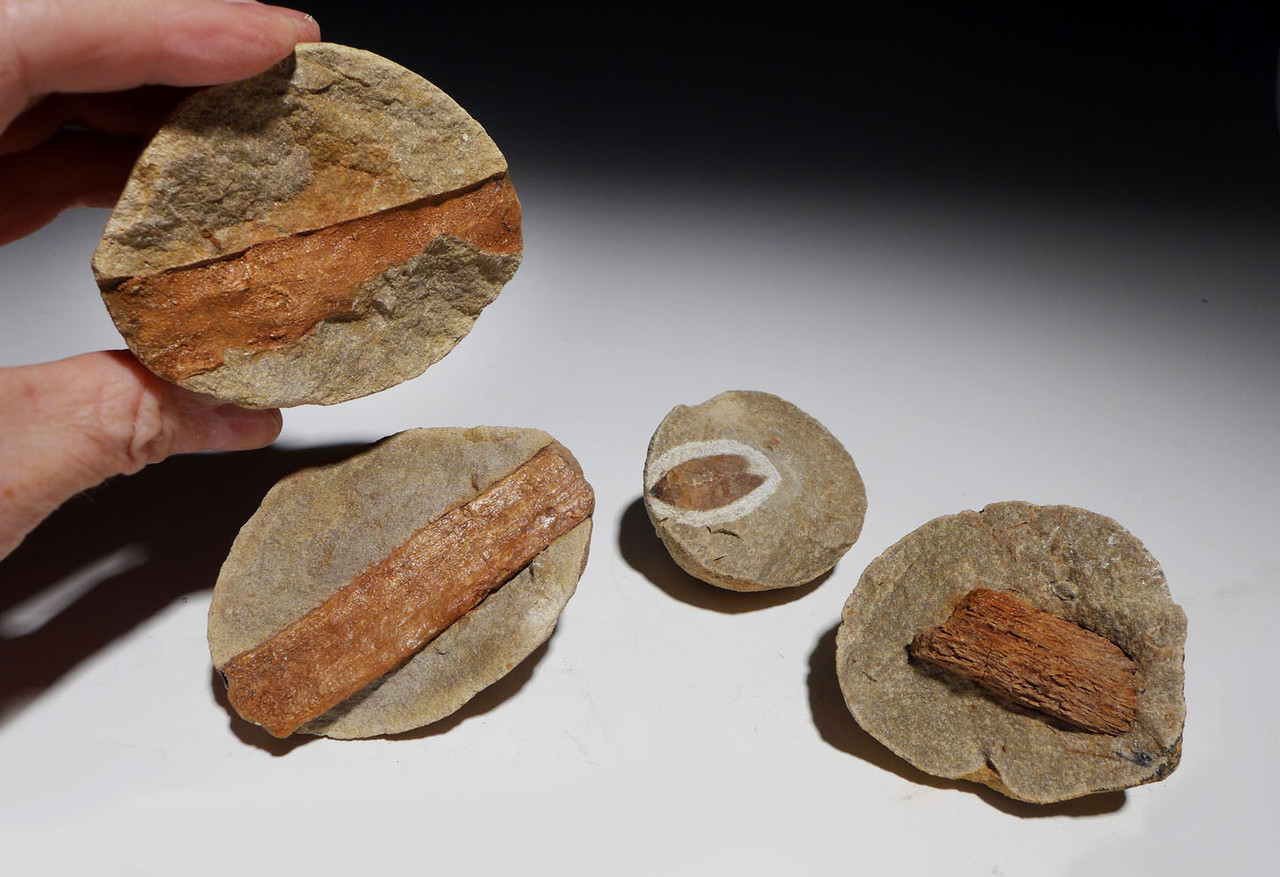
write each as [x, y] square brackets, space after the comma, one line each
[304, 26]
[235, 41]
[232, 428]
[307, 27]
[104, 47]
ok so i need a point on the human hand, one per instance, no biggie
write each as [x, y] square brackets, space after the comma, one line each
[112, 69]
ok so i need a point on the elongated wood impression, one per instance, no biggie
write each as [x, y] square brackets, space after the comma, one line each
[400, 604]
[181, 322]
[749, 493]
[706, 483]
[1035, 659]
[321, 231]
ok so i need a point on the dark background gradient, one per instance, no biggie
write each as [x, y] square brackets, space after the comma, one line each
[1145, 102]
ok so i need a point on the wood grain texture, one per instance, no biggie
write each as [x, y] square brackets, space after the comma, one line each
[181, 322]
[400, 604]
[1035, 659]
[709, 482]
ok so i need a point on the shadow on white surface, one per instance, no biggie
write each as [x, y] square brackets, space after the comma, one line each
[115, 556]
[644, 552]
[40, 608]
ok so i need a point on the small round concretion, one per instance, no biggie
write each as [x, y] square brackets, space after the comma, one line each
[749, 493]
[1068, 562]
[321, 231]
[320, 528]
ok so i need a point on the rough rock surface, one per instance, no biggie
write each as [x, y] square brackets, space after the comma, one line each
[789, 501]
[329, 136]
[319, 528]
[1072, 563]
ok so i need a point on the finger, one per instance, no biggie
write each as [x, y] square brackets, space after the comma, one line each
[75, 169]
[72, 46]
[74, 423]
[138, 112]
[34, 126]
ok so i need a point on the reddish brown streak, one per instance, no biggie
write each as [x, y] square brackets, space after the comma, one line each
[1036, 659]
[706, 483]
[275, 292]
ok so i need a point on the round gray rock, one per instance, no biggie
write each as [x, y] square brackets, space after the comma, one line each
[319, 528]
[194, 264]
[1072, 563]
[750, 493]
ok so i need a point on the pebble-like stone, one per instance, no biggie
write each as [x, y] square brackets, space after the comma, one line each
[1074, 564]
[321, 528]
[319, 232]
[749, 493]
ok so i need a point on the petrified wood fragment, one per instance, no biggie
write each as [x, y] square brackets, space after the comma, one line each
[321, 231]
[749, 493]
[706, 483]
[1035, 659]
[1078, 566]
[437, 561]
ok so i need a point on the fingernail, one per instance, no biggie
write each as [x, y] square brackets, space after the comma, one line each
[232, 428]
[301, 19]
[304, 23]
[295, 14]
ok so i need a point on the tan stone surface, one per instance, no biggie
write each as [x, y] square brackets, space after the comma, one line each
[414, 314]
[809, 520]
[483, 646]
[328, 136]
[1072, 563]
[319, 528]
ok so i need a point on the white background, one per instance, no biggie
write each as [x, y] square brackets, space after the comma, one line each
[966, 350]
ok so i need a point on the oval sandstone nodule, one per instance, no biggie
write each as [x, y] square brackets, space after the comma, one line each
[378, 594]
[321, 231]
[749, 493]
[1033, 649]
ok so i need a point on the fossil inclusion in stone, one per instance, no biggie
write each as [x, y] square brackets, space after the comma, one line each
[322, 231]
[749, 493]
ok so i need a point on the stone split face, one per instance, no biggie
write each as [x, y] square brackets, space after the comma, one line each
[348, 602]
[749, 493]
[1073, 564]
[319, 232]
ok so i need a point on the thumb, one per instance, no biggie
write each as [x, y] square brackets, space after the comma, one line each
[68, 425]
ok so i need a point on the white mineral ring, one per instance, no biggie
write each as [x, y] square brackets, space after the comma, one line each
[757, 464]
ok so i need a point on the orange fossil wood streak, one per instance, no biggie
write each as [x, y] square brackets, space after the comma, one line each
[181, 321]
[1035, 659]
[706, 483]
[393, 609]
